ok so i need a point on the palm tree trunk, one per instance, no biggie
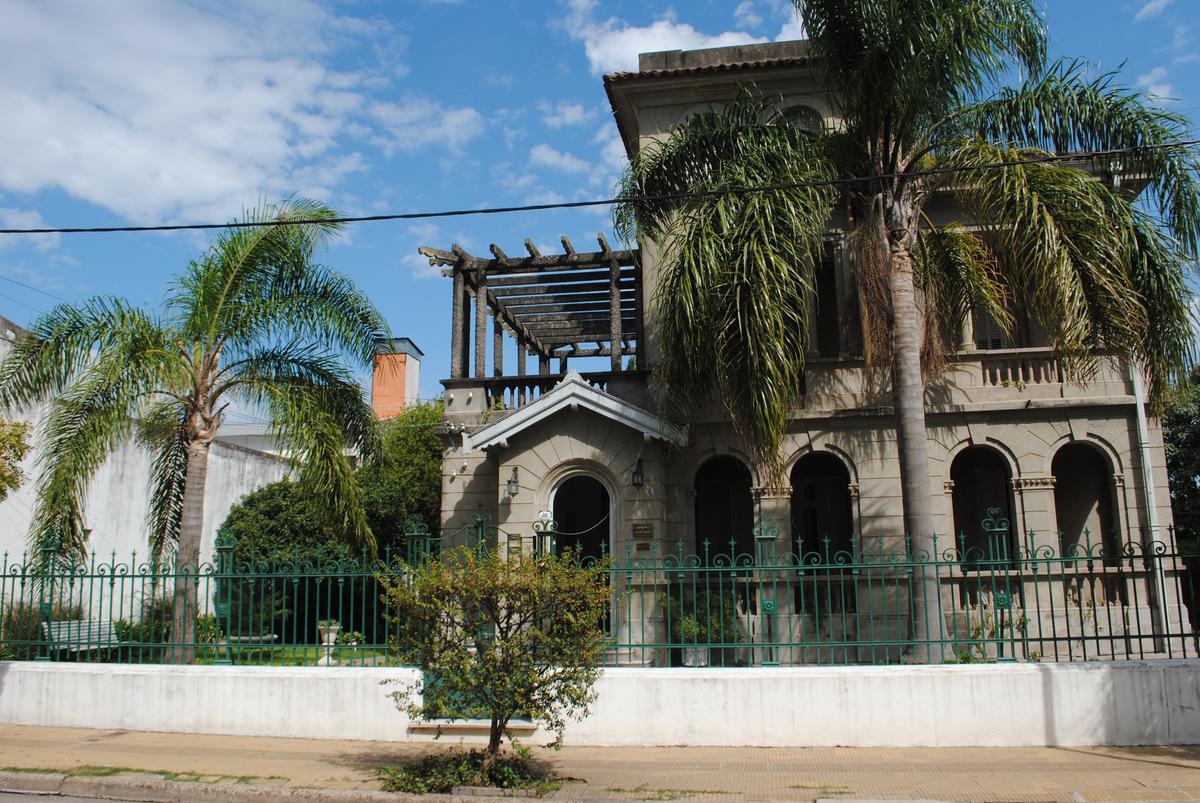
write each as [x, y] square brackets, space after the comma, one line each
[908, 388]
[187, 560]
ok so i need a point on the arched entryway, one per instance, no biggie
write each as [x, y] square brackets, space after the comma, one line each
[724, 508]
[822, 517]
[983, 509]
[583, 512]
[1083, 498]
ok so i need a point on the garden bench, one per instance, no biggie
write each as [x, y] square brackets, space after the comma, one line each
[82, 635]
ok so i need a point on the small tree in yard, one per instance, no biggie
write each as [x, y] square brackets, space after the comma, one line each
[501, 637]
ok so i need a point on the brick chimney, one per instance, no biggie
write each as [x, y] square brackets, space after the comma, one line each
[396, 377]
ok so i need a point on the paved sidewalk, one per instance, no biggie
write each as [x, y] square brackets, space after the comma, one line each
[248, 767]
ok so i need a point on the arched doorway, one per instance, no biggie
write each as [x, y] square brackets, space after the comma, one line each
[583, 512]
[724, 508]
[1083, 500]
[822, 517]
[982, 503]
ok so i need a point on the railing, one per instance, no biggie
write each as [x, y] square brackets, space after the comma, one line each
[851, 604]
[1019, 367]
[514, 392]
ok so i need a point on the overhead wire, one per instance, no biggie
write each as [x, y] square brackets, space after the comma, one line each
[499, 210]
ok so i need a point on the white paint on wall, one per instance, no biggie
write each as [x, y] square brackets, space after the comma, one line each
[1127, 703]
[118, 499]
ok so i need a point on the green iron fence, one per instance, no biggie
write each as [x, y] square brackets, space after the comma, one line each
[853, 602]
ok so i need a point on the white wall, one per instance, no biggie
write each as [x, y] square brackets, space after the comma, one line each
[117, 500]
[1125, 703]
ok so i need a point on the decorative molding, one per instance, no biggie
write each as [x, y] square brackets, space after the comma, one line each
[1033, 483]
[1119, 480]
[948, 486]
[771, 492]
[575, 393]
[853, 489]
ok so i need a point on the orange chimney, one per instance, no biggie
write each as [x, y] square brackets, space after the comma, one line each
[396, 377]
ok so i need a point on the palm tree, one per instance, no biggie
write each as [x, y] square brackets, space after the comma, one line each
[255, 321]
[917, 89]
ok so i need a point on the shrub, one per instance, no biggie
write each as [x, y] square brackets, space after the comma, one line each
[508, 637]
[439, 774]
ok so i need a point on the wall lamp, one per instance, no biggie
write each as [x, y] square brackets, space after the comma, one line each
[513, 486]
[637, 479]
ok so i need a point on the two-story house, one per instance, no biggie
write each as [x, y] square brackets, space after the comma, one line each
[1020, 459]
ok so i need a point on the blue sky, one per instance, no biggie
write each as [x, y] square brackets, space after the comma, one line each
[149, 111]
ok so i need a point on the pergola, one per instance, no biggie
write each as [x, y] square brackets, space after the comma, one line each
[560, 305]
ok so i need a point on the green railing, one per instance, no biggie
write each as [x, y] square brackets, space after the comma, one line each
[850, 602]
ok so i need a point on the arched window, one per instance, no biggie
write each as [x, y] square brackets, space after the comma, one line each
[724, 507]
[982, 503]
[582, 512]
[822, 520]
[1083, 504]
[805, 117]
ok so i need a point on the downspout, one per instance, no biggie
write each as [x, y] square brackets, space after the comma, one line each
[1148, 498]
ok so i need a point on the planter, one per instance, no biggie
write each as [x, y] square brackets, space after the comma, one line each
[329, 634]
[695, 656]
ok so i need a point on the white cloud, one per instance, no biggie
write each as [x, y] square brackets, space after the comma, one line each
[792, 29]
[1151, 9]
[558, 115]
[417, 122]
[746, 14]
[420, 267]
[612, 45]
[19, 219]
[1155, 84]
[426, 232]
[169, 110]
[543, 155]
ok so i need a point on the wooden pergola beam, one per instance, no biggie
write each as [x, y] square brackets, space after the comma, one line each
[514, 294]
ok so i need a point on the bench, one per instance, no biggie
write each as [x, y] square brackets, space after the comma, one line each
[81, 635]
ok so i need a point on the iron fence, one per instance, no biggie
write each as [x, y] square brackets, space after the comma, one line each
[856, 601]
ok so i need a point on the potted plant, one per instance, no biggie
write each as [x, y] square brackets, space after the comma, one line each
[329, 629]
[692, 634]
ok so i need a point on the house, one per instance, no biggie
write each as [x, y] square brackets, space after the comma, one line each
[1022, 462]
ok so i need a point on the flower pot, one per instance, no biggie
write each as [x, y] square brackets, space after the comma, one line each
[695, 656]
[329, 634]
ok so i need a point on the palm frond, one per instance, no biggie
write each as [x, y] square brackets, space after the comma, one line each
[46, 357]
[958, 275]
[163, 431]
[317, 412]
[1062, 110]
[893, 67]
[84, 425]
[1080, 260]
[737, 268]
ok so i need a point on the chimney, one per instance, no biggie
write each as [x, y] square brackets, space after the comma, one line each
[396, 377]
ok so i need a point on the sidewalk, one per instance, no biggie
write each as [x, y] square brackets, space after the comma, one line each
[270, 768]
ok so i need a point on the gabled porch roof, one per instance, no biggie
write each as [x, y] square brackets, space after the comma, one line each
[575, 393]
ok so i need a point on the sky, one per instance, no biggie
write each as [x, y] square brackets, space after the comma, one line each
[156, 111]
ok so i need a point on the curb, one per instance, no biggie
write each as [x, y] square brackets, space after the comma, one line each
[151, 789]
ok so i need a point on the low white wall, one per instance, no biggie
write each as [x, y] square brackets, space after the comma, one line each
[1002, 705]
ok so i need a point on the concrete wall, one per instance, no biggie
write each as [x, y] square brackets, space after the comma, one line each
[117, 500]
[943, 706]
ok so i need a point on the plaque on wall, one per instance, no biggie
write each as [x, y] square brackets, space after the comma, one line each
[643, 530]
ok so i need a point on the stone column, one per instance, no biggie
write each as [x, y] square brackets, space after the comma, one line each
[775, 622]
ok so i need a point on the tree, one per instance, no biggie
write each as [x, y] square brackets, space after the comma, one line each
[405, 480]
[917, 87]
[501, 637]
[254, 321]
[14, 445]
[1181, 440]
[283, 522]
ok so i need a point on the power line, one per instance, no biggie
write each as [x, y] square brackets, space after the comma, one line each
[34, 289]
[38, 310]
[501, 210]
